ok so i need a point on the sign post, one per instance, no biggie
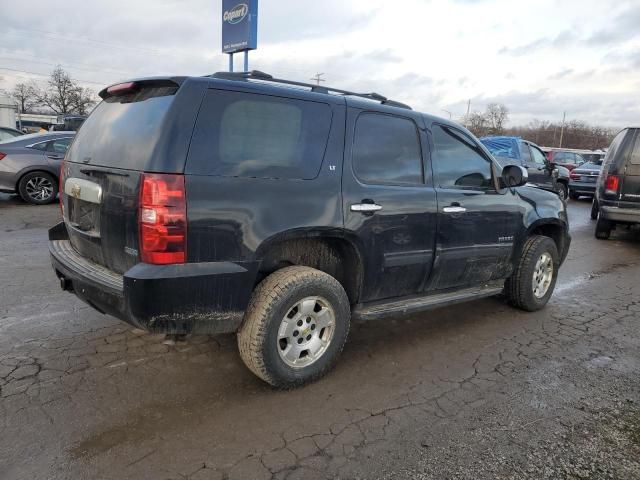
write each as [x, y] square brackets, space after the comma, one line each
[239, 29]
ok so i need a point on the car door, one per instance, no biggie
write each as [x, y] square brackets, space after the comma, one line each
[477, 224]
[540, 174]
[56, 150]
[389, 203]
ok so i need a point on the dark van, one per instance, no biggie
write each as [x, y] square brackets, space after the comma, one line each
[281, 210]
[617, 198]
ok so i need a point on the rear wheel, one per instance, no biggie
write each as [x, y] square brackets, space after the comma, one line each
[295, 326]
[573, 195]
[603, 228]
[562, 190]
[531, 284]
[594, 209]
[38, 188]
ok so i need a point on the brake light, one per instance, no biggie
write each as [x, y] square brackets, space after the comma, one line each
[121, 87]
[611, 184]
[574, 176]
[2, 155]
[163, 219]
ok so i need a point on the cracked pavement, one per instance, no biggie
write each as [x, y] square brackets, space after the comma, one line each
[477, 390]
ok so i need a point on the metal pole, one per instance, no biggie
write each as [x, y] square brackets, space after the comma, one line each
[246, 60]
[231, 62]
[468, 107]
[564, 115]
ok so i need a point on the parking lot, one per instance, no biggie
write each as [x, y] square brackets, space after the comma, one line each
[478, 390]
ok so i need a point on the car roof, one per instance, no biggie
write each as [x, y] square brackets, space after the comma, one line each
[33, 138]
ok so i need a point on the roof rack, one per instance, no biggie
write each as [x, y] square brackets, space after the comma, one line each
[258, 75]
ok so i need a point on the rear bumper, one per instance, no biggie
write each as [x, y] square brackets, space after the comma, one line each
[618, 214]
[203, 298]
[583, 187]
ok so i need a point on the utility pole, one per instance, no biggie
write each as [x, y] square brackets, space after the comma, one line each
[564, 116]
[316, 78]
[447, 112]
[468, 107]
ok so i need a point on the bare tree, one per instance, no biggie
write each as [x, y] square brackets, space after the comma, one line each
[26, 94]
[63, 95]
[476, 122]
[496, 115]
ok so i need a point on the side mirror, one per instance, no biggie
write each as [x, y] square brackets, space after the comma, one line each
[514, 176]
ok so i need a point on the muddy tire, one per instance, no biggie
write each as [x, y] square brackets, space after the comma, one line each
[603, 228]
[531, 284]
[295, 326]
[38, 188]
[594, 209]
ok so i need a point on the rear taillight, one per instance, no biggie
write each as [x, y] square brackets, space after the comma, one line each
[163, 219]
[574, 176]
[611, 184]
[2, 155]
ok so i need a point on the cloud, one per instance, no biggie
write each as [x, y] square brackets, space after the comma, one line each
[563, 39]
[620, 29]
[561, 74]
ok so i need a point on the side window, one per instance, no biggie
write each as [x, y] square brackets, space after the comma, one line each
[458, 162]
[635, 155]
[386, 149]
[260, 136]
[579, 159]
[41, 146]
[538, 156]
[613, 148]
[59, 146]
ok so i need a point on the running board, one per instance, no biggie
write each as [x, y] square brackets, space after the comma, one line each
[413, 304]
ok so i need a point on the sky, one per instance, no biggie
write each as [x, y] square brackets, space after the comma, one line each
[540, 58]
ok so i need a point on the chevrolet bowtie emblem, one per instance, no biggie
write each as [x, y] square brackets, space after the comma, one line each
[75, 190]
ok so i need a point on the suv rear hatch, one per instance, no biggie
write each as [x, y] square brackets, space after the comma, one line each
[140, 126]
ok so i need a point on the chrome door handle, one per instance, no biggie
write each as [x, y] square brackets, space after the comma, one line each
[454, 209]
[365, 207]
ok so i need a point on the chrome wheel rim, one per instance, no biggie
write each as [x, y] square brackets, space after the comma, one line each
[306, 332]
[39, 188]
[542, 275]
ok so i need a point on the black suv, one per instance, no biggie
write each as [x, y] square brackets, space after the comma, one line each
[281, 210]
[617, 198]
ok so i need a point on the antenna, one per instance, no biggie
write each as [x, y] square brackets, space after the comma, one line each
[316, 78]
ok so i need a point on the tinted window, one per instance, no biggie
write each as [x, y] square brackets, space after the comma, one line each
[635, 155]
[41, 146]
[250, 135]
[59, 146]
[613, 148]
[458, 162]
[525, 153]
[122, 131]
[386, 149]
[538, 157]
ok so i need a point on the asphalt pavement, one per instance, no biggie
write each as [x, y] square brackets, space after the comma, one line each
[473, 391]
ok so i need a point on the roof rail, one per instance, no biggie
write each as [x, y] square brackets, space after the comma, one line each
[258, 75]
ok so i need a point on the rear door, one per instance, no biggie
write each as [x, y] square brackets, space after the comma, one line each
[389, 203]
[126, 134]
[630, 189]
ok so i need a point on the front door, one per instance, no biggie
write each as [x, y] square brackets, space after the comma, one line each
[389, 203]
[540, 174]
[476, 223]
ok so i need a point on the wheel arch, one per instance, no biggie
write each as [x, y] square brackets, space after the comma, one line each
[327, 250]
[552, 228]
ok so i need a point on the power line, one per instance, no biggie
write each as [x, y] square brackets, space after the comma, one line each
[316, 78]
[47, 75]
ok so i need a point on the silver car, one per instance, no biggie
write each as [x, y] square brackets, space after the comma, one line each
[30, 165]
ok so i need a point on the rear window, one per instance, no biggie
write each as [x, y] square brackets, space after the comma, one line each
[250, 135]
[122, 131]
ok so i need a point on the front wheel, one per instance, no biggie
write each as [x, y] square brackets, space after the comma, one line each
[531, 284]
[295, 326]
